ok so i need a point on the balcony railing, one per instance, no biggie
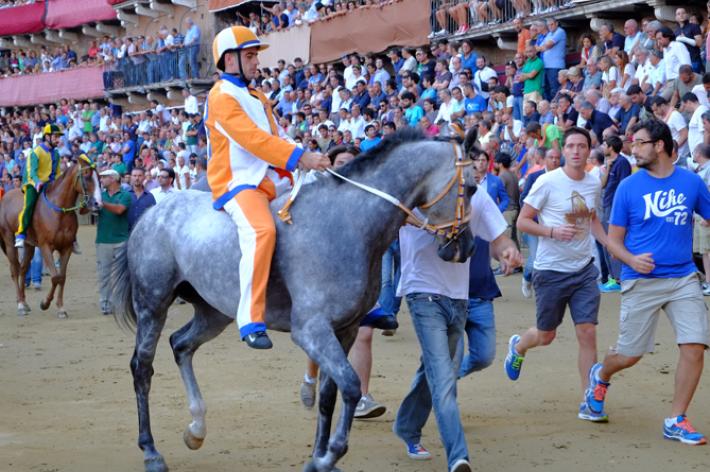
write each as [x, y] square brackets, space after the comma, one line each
[457, 19]
[149, 68]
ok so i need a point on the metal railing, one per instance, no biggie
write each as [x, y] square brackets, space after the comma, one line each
[457, 17]
[180, 64]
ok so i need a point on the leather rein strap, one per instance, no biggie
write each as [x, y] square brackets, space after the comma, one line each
[453, 226]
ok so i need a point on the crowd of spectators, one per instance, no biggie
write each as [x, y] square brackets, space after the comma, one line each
[45, 59]
[14, 3]
[282, 16]
[154, 139]
[169, 55]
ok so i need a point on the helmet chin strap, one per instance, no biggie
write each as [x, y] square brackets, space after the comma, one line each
[241, 69]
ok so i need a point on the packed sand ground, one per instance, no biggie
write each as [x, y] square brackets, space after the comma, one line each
[67, 401]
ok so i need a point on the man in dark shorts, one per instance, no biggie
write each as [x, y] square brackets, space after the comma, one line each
[564, 201]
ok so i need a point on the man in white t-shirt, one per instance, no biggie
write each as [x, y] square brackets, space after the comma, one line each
[675, 121]
[190, 102]
[481, 76]
[182, 170]
[561, 211]
[166, 177]
[691, 105]
[675, 54]
[437, 295]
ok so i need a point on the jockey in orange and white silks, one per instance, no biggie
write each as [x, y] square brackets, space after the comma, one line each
[249, 157]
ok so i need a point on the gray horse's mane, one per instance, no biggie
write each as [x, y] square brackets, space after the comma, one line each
[387, 145]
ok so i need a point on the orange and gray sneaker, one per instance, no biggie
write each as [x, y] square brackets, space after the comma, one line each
[680, 429]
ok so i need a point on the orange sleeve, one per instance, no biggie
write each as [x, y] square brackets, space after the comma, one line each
[228, 118]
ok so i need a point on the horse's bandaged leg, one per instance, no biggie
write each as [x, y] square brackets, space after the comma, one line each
[257, 238]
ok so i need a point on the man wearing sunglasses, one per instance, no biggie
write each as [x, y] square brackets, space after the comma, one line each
[651, 232]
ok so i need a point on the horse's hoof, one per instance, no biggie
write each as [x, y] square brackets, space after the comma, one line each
[22, 312]
[62, 315]
[191, 441]
[27, 307]
[311, 467]
[44, 306]
[155, 464]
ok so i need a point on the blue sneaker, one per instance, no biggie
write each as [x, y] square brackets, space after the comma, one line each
[417, 452]
[513, 361]
[681, 430]
[585, 413]
[596, 392]
[610, 286]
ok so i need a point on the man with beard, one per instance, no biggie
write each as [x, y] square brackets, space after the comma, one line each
[651, 233]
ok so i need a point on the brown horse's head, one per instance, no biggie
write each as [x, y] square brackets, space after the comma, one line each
[86, 182]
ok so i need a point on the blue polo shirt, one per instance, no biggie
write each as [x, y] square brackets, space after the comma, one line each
[623, 117]
[138, 207]
[554, 58]
[482, 283]
[658, 217]
[619, 170]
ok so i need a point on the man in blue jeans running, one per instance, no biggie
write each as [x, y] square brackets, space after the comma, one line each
[480, 324]
[437, 295]
[389, 301]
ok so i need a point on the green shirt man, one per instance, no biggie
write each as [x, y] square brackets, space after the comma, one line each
[534, 66]
[111, 234]
[113, 228]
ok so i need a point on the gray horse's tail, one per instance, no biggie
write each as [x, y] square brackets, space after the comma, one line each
[121, 295]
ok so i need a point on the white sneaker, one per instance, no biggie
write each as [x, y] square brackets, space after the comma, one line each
[461, 465]
[526, 288]
[367, 407]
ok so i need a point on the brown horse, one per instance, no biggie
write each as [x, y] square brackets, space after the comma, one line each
[54, 226]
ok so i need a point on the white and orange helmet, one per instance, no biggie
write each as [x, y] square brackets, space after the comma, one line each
[234, 38]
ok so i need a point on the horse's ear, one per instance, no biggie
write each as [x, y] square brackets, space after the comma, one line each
[470, 140]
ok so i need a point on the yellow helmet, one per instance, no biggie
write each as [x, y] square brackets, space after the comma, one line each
[234, 38]
[51, 128]
[86, 159]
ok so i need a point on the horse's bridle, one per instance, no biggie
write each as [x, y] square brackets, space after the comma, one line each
[460, 218]
[83, 198]
[453, 226]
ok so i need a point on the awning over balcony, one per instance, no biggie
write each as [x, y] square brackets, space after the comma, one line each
[371, 29]
[287, 45]
[80, 84]
[22, 19]
[65, 14]
[219, 5]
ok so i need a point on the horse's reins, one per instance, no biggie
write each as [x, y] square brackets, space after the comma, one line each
[440, 230]
[83, 199]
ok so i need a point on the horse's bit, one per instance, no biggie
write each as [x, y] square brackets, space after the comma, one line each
[454, 225]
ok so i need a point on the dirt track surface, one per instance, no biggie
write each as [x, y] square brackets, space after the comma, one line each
[67, 401]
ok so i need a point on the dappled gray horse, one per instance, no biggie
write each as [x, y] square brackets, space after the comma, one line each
[324, 278]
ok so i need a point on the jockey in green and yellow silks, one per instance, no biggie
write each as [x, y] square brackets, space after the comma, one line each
[42, 167]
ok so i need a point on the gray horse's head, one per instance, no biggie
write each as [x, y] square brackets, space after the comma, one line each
[457, 243]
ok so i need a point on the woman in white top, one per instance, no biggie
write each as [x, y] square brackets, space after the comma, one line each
[610, 75]
[628, 71]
